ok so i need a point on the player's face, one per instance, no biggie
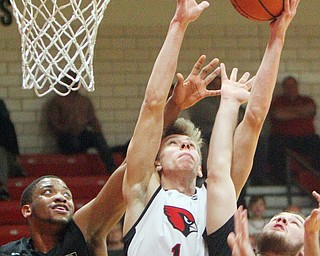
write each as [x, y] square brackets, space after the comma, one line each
[52, 201]
[179, 152]
[289, 226]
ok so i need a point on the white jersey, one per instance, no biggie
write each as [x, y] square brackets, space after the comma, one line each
[172, 224]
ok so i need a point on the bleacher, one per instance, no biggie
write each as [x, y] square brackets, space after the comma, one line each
[84, 174]
[302, 179]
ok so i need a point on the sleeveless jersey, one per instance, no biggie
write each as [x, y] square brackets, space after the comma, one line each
[72, 244]
[171, 224]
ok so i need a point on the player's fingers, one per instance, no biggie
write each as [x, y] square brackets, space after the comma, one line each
[244, 78]
[223, 72]
[237, 219]
[231, 240]
[212, 76]
[213, 93]
[244, 224]
[180, 79]
[250, 82]
[203, 5]
[234, 73]
[197, 66]
[316, 195]
[208, 68]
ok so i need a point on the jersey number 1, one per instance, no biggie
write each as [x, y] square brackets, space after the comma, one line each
[176, 250]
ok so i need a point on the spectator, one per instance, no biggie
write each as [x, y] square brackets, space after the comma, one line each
[9, 151]
[73, 121]
[292, 127]
[115, 241]
[257, 208]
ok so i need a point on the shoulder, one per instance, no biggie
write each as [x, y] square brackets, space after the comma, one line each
[15, 247]
[306, 98]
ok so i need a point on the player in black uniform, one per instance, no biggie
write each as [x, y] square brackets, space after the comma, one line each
[57, 230]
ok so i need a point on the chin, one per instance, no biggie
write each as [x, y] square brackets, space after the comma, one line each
[60, 220]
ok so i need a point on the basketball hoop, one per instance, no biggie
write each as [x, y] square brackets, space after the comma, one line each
[58, 36]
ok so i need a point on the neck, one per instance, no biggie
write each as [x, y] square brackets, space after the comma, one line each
[45, 238]
[186, 187]
[115, 245]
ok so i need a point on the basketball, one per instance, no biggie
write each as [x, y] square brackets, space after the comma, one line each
[259, 10]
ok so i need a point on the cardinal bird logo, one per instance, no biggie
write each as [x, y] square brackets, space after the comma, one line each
[181, 219]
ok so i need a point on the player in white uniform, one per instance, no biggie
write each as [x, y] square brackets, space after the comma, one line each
[173, 224]
[178, 176]
[156, 222]
[178, 155]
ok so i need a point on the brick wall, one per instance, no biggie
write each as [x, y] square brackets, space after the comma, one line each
[124, 57]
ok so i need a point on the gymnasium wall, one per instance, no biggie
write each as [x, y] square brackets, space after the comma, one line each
[128, 42]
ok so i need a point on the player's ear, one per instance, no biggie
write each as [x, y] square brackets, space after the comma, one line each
[199, 172]
[26, 210]
[158, 166]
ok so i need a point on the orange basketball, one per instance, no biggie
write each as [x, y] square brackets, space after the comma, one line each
[259, 10]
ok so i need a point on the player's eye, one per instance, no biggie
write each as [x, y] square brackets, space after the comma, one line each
[67, 194]
[47, 192]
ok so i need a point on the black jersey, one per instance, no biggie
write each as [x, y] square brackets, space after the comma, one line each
[71, 244]
[217, 241]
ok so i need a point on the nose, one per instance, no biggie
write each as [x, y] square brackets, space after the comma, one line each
[59, 197]
[282, 219]
[185, 145]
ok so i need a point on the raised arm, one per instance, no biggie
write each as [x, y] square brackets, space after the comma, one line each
[221, 197]
[311, 231]
[97, 218]
[145, 142]
[248, 131]
[188, 92]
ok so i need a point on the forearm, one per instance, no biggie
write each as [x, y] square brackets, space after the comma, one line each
[150, 122]
[265, 81]
[165, 66]
[171, 112]
[220, 150]
[221, 195]
[311, 244]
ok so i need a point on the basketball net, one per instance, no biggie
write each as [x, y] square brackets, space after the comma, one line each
[58, 36]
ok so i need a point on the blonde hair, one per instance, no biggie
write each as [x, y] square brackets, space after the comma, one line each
[184, 127]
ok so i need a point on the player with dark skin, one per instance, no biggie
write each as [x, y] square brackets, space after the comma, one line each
[49, 209]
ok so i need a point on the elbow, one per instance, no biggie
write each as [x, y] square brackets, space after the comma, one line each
[257, 116]
[153, 101]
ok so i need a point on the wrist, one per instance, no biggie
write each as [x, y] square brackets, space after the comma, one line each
[230, 102]
[174, 105]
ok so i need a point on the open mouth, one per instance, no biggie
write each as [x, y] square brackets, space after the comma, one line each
[278, 227]
[60, 208]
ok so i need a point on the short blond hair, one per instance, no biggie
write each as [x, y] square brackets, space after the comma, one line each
[184, 127]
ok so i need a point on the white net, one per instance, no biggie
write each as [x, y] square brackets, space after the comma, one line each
[58, 36]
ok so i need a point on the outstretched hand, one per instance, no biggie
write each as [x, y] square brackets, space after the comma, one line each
[189, 10]
[312, 222]
[194, 88]
[233, 89]
[239, 241]
[281, 23]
